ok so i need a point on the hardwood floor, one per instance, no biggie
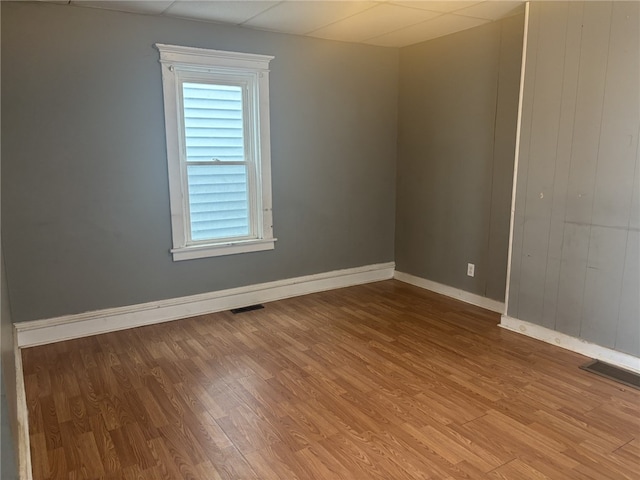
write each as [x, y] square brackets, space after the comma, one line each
[381, 381]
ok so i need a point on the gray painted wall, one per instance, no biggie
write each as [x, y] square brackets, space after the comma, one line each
[85, 203]
[8, 387]
[8, 393]
[576, 262]
[457, 118]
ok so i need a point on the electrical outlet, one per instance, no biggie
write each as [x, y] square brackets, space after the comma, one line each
[471, 269]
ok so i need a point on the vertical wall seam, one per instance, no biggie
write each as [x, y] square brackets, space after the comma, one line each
[595, 176]
[566, 195]
[555, 171]
[626, 247]
[525, 194]
[493, 161]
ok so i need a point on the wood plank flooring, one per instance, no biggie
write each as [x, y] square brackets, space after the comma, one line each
[381, 381]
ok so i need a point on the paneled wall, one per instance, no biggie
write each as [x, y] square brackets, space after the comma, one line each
[575, 260]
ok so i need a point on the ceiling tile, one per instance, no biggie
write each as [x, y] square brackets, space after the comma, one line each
[376, 22]
[227, 11]
[492, 10]
[435, 6]
[125, 6]
[301, 17]
[438, 27]
[382, 18]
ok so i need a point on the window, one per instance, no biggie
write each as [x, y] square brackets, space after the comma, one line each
[216, 107]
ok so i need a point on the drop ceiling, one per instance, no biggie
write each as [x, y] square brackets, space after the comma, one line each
[383, 23]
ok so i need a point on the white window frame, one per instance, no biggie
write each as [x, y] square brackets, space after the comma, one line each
[198, 65]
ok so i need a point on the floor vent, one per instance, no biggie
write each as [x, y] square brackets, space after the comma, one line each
[617, 374]
[246, 309]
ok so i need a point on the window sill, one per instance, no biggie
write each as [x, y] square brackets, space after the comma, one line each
[219, 249]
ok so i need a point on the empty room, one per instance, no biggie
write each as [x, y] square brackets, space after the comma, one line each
[320, 240]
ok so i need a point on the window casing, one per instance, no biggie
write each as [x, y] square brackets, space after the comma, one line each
[218, 151]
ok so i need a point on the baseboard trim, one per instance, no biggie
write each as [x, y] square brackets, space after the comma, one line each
[40, 332]
[472, 298]
[591, 350]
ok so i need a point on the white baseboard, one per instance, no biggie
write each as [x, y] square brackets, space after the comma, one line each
[591, 350]
[50, 330]
[472, 298]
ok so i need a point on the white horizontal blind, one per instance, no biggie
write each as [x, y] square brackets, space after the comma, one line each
[216, 162]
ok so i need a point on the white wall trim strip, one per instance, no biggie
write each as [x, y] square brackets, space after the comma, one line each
[597, 352]
[23, 446]
[516, 160]
[50, 330]
[452, 292]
